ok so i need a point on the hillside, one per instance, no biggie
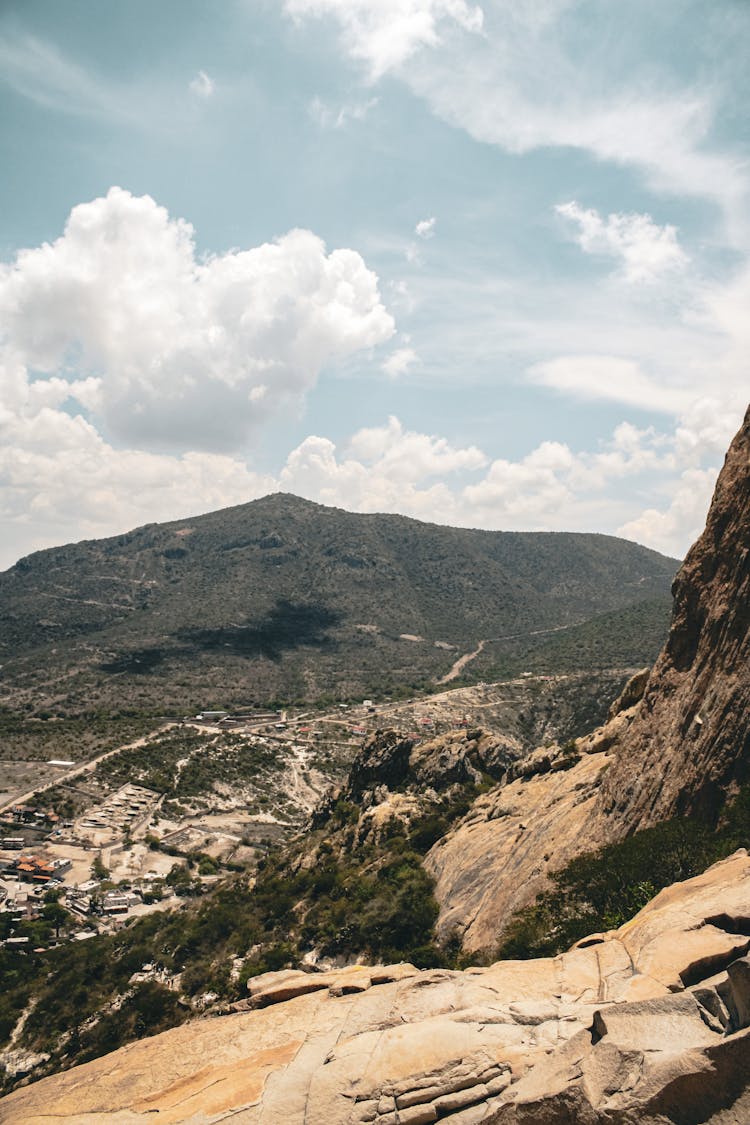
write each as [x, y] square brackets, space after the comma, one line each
[282, 598]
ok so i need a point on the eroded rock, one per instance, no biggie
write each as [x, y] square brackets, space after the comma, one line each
[605, 1034]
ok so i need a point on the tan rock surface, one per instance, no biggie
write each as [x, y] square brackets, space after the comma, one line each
[605, 1034]
[497, 859]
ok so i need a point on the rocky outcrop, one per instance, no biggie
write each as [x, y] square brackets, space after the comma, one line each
[690, 744]
[677, 742]
[389, 761]
[648, 1024]
[497, 858]
[397, 777]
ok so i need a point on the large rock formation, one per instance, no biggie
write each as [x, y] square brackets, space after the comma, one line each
[497, 858]
[680, 749]
[646, 1025]
[690, 744]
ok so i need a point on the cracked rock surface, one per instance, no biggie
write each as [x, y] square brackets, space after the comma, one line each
[644, 1025]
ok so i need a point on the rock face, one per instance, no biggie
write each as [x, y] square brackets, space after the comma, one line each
[677, 742]
[496, 860]
[690, 744]
[646, 1025]
[390, 761]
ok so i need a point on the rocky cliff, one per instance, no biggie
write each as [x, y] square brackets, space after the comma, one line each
[677, 742]
[645, 1025]
[690, 743]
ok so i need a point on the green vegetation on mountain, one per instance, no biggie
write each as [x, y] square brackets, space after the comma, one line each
[284, 599]
[352, 887]
[348, 888]
[622, 638]
[601, 890]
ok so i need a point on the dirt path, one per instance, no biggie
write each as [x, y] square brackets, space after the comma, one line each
[461, 663]
[86, 767]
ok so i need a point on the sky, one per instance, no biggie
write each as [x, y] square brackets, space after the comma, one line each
[484, 264]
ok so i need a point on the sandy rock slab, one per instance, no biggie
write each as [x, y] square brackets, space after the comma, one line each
[645, 1025]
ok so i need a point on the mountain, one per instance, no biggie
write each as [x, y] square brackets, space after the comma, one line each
[282, 598]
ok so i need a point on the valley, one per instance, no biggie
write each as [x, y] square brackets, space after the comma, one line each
[211, 794]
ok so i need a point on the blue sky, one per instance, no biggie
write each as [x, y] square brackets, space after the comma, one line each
[480, 263]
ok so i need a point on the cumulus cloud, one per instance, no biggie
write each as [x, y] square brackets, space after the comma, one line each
[553, 487]
[385, 34]
[683, 518]
[59, 479]
[646, 251]
[188, 353]
[202, 85]
[532, 488]
[425, 228]
[383, 468]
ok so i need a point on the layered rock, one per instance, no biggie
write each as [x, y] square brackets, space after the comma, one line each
[648, 1024]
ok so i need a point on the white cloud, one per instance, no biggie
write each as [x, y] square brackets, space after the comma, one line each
[532, 489]
[678, 525]
[187, 353]
[399, 362]
[647, 252]
[610, 377]
[425, 228]
[39, 71]
[382, 469]
[519, 85]
[330, 117]
[59, 480]
[202, 85]
[385, 33]
[519, 89]
[553, 487]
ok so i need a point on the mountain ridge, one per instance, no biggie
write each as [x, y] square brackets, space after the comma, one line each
[304, 601]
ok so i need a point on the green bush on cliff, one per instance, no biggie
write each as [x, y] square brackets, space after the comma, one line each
[603, 889]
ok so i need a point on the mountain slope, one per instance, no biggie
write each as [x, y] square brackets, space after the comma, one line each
[689, 745]
[282, 597]
[679, 745]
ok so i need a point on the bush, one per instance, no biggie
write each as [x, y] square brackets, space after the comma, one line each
[605, 888]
